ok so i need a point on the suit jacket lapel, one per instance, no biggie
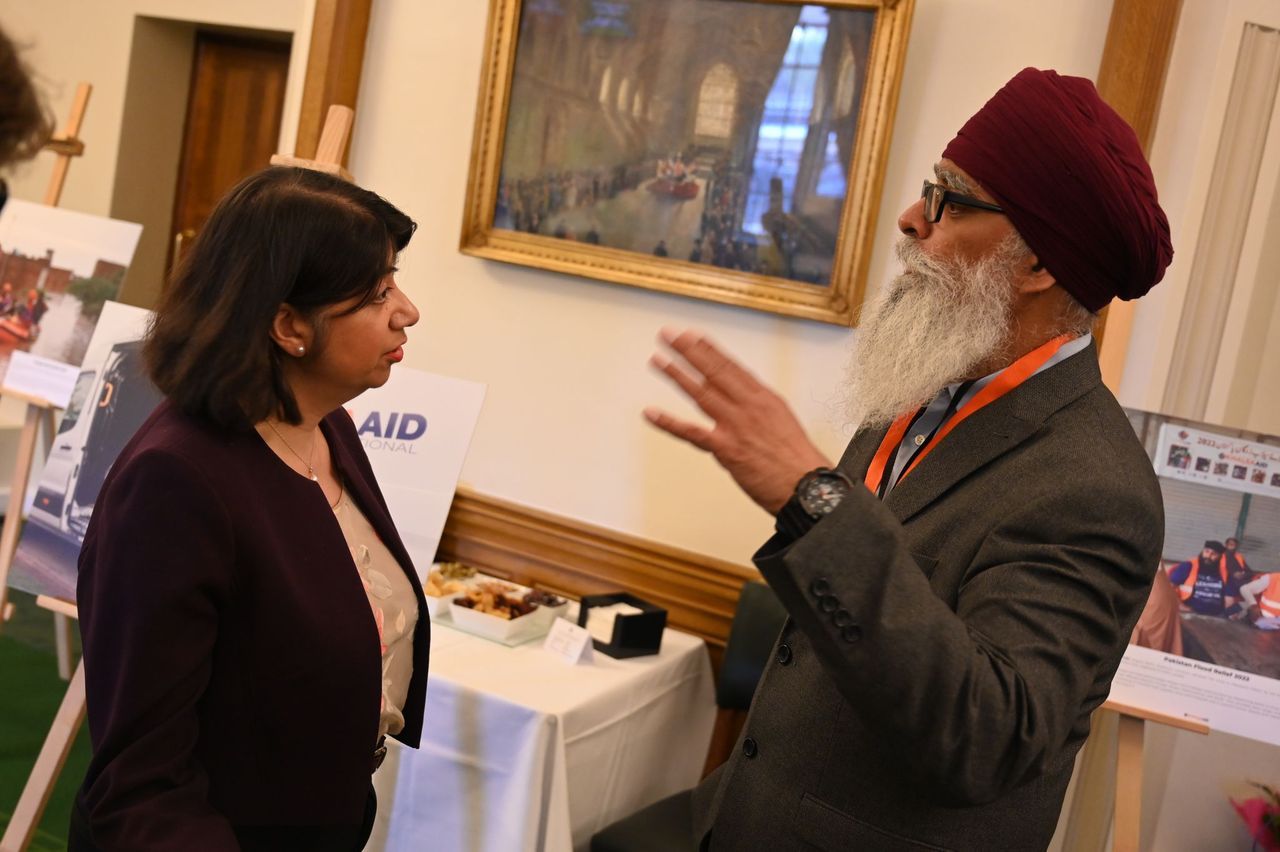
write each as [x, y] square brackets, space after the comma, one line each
[988, 434]
[857, 456]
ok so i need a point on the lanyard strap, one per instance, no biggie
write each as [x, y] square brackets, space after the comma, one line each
[1006, 380]
[946, 414]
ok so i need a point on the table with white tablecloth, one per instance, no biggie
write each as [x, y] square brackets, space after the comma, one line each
[523, 751]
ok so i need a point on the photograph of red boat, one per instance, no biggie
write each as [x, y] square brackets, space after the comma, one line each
[57, 269]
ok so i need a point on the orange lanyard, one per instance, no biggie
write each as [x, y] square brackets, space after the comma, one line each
[1007, 379]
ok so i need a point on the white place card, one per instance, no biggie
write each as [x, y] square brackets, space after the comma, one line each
[569, 642]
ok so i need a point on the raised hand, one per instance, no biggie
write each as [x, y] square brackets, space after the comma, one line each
[754, 435]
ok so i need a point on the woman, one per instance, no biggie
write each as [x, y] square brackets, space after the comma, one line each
[241, 575]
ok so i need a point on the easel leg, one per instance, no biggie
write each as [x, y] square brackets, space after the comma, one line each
[62, 640]
[1128, 822]
[17, 496]
[61, 624]
[35, 795]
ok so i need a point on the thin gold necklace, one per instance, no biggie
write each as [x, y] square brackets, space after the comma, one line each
[311, 471]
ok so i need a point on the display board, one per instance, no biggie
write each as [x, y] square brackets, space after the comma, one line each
[58, 268]
[416, 430]
[1208, 644]
[111, 398]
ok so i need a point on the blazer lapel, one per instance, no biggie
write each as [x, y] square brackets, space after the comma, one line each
[370, 503]
[990, 433]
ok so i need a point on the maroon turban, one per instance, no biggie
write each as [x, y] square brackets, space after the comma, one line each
[1071, 176]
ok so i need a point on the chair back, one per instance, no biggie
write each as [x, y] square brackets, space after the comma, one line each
[756, 624]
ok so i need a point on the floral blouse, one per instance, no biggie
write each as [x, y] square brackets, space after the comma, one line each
[395, 609]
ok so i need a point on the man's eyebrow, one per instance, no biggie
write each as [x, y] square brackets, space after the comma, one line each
[952, 180]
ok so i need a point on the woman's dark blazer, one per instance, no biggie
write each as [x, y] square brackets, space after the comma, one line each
[232, 663]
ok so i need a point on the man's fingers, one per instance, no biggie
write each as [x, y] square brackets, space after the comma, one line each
[705, 397]
[683, 429]
[718, 369]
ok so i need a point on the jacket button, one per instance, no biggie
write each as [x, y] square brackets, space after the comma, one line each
[820, 587]
[749, 747]
[784, 654]
[829, 603]
[852, 633]
[842, 618]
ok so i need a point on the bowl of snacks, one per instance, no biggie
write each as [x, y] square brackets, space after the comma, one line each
[550, 606]
[446, 580]
[497, 611]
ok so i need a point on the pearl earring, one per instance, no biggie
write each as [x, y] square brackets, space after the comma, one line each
[301, 349]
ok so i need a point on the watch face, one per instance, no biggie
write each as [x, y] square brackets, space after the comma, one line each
[822, 493]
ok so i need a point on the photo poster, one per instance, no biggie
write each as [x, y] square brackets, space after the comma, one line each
[416, 430]
[1207, 646]
[58, 268]
[111, 398]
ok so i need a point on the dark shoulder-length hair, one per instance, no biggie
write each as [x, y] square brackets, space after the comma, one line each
[25, 122]
[282, 236]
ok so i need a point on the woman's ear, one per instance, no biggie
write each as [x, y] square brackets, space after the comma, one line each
[292, 332]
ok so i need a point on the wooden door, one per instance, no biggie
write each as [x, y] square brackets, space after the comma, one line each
[232, 126]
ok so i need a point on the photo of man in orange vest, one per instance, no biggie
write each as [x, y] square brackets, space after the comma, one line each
[1261, 598]
[1204, 585]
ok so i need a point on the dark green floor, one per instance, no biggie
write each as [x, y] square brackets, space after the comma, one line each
[30, 692]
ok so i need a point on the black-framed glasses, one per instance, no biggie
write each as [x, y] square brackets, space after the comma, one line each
[937, 197]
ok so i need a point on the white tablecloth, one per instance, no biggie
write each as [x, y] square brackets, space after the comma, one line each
[523, 751]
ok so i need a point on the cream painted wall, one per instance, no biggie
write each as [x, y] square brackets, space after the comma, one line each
[1182, 137]
[564, 358]
[1189, 141]
[69, 41]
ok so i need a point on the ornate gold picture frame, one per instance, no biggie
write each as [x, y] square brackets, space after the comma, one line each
[728, 150]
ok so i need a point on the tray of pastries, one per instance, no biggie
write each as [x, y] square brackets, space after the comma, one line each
[447, 580]
[504, 612]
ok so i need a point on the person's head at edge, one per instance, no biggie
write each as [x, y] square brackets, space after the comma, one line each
[1079, 224]
[286, 304]
[25, 124]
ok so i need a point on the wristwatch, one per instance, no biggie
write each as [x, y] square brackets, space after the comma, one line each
[817, 495]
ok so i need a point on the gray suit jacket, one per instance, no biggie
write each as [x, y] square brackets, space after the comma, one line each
[945, 647]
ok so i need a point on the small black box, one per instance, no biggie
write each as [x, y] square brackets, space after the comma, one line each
[634, 635]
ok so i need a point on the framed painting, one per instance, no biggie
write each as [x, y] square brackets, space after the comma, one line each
[729, 150]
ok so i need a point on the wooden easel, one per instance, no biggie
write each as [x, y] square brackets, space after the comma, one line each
[66, 145]
[71, 712]
[1126, 827]
[333, 143]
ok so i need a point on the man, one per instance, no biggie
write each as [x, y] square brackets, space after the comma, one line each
[1204, 584]
[1260, 598]
[954, 622]
[1234, 561]
[1159, 626]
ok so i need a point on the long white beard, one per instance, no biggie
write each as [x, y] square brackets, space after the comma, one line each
[930, 326]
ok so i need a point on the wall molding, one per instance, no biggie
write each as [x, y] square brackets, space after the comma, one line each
[574, 558]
